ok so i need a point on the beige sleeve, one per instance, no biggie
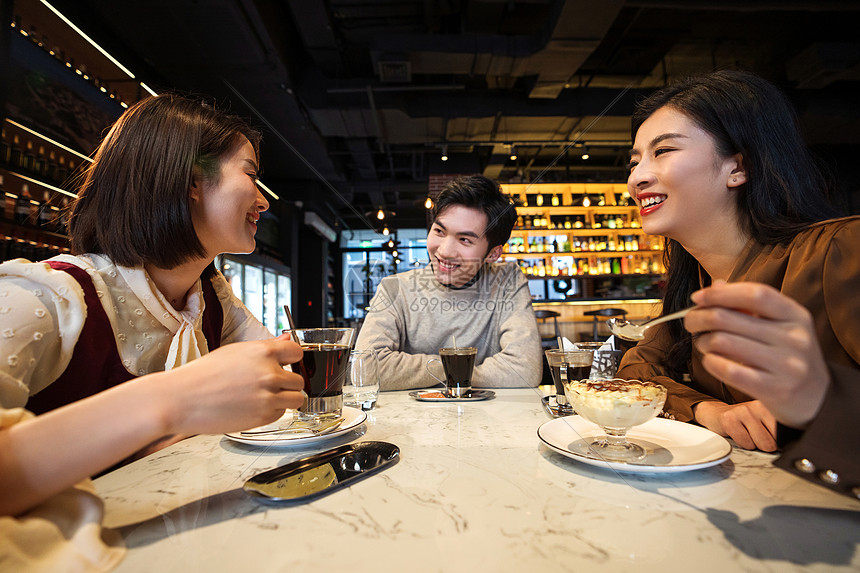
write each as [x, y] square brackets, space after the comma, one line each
[64, 533]
[43, 313]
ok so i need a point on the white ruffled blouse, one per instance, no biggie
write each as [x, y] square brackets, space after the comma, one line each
[42, 312]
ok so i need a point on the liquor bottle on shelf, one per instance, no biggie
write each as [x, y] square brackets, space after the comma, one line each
[15, 153]
[63, 216]
[52, 167]
[62, 169]
[41, 162]
[28, 160]
[5, 148]
[46, 214]
[22, 205]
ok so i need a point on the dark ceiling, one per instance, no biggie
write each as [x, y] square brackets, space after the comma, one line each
[358, 98]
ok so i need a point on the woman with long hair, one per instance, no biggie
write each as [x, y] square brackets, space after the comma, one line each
[720, 169]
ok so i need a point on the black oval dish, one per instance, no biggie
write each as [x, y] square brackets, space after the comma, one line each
[321, 474]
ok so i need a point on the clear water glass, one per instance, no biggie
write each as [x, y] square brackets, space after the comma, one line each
[361, 388]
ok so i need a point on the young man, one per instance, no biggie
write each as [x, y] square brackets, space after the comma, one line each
[462, 293]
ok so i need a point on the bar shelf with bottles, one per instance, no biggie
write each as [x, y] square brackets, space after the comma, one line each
[33, 201]
[584, 232]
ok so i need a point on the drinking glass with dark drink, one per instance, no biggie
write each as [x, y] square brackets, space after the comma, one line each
[567, 365]
[458, 364]
[324, 367]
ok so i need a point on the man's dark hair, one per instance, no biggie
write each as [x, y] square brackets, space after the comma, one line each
[485, 195]
[134, 204]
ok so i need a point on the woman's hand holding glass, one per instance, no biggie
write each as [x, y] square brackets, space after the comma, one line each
[235, 387]
[763, 343]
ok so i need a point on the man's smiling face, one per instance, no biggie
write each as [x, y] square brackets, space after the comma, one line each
[458, 245]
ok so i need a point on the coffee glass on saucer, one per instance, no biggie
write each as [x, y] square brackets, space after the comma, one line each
[324, 368]
[458, 364]
[566, 365]
[616, 406]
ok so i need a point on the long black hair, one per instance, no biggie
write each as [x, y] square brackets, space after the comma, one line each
[785, 191]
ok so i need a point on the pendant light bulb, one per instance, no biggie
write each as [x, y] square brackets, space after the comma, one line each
[428, 203]
[380, 214]
[444, 153]
[385, 230]
[586, 202]
[513, 152]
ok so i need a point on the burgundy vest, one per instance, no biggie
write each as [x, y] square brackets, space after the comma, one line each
[96, 364]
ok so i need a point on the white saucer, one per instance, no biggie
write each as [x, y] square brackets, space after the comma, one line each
[353, 418]
[672, 446]
[439, 396]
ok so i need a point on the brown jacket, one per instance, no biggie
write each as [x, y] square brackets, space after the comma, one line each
[820, 269]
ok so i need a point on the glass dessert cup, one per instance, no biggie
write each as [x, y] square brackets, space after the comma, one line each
[616, 406]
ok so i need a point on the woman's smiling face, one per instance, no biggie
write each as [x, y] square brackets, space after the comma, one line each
[225, 212]
[683, 187]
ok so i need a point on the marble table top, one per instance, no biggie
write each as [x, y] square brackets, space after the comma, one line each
[474, 490]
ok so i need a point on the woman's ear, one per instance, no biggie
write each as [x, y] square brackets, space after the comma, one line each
[738, 173]
[195, 190]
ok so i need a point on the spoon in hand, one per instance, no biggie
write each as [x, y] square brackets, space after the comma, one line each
[630, 331]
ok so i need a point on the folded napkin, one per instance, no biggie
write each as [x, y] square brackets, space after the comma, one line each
[606, 358]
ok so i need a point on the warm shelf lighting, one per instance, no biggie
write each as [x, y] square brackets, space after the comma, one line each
[49, 140]
[513, 152]
[444, 153]
[88, 39]
[586, 201]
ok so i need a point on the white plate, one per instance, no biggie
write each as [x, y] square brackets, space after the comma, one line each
[672, 446]
[352, 418]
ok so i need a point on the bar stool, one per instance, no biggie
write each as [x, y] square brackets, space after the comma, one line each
[543, 316]
[603, 313]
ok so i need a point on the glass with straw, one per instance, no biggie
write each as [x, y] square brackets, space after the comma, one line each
[458, 362]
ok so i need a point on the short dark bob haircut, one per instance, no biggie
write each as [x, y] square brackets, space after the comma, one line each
[134, 201]
[485, 195]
